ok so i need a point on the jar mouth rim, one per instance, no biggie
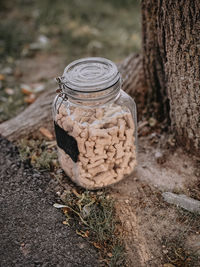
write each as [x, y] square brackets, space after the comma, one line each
[89, 75]
[93, 91]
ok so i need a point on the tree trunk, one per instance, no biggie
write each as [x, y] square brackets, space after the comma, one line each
[171, 58]
[39, 113]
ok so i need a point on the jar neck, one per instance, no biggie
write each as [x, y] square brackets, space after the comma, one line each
[93, 98]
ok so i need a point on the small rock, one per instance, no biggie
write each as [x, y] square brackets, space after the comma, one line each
[158, 155]
[153, 135]
[9, 91]
[165, 251]
[182, 201]
[144, 166]
[36, 175]
[25, 249]
[43, 40]
[171, 141]
[85, 211]
[82, 245]
[7, 71]
[41, 43]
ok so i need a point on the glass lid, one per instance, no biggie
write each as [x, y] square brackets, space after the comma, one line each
[91, 74]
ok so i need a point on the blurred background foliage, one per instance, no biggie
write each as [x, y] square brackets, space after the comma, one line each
[68, 29]
[76, 28]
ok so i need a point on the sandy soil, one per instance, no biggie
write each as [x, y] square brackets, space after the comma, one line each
[156, 233]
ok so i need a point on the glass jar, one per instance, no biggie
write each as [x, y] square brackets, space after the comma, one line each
[95, 124]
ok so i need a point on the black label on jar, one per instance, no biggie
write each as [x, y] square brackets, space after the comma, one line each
[66, 142]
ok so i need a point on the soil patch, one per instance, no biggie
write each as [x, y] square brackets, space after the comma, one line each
[156, 233]
[32, 233]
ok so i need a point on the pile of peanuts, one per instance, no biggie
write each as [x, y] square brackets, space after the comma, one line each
[106, 144]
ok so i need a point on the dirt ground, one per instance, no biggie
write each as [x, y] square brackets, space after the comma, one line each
[31, 229]
[154, 232]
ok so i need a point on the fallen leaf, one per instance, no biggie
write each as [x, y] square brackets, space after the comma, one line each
[82, 233]
[109, 255]
[51, 144]
[2, 77]
[59, 206]
[26, 89]
[87, 233]
[46, 133]
[76, 193]
[30, 99]
[66, 210]
[96, 245]
[55, 163]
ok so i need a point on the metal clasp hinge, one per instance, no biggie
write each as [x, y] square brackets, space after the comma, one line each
[60, 93]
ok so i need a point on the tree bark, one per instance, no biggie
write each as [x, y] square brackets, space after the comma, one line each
[39, 113]
[171, 58]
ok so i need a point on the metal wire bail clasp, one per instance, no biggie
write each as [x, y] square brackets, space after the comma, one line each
[60, 93]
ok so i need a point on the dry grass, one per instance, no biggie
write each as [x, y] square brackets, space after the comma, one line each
[93, 214]
[38, 154]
